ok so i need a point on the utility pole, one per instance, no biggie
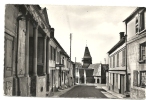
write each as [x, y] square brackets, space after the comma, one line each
[70, 55]
[70, 44]
[105, 60]
[75, 72]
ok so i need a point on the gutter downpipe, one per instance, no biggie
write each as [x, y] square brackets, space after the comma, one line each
[127, 94]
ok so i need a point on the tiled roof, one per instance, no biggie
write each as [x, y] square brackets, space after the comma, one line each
[95, 67]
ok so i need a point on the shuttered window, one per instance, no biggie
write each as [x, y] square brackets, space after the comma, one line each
[117, 59]
[54, 54]
[113, 61]
[51, 52]
[123, 57]
[143, 51]
[143, 79]
[135, 78]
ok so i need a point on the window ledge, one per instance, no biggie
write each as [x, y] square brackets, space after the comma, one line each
[139, 88]
[142, 31]
[141, 61]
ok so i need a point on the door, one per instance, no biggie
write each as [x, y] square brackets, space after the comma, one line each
[122, 84]
[8, 62]
[113, 81]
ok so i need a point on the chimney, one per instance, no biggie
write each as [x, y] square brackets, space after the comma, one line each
[52, 33]
[121, 35]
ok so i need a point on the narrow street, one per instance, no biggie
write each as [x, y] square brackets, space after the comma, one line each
[85, 91]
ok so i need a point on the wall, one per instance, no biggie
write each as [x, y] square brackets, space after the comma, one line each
[131, 28]
[133, 64]
[41, 86]
[133, 57]
[11, 13]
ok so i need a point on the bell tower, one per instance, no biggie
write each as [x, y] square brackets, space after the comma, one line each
[87, 59]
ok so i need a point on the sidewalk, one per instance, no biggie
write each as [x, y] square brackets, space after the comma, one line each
[120, 96]
[60, 92]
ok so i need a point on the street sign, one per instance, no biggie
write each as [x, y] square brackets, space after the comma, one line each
[59, 65]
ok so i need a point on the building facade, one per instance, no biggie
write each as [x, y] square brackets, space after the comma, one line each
[117, 66]
[86, 73]
[31, 52]
[136, 51]
[99, 72]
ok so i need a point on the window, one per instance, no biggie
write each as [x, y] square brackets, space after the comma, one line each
[113, 61]
[139, 23]
[54, 54]
[110, 62]
[141, 26]
[143, 51]
[136, 25]
[123, 57]
[117, 59]
[51, 52]
[63, 60]
[143, 78]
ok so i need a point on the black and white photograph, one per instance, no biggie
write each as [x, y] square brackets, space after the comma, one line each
[74, 51]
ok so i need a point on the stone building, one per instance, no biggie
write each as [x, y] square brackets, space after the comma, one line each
[135, 25]
[86, 73]
[31, 52]
[99, 72]
[117, 66]
[78, 65]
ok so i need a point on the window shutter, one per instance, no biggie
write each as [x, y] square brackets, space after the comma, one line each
[135, 78]
[50, 52]
[139, 26]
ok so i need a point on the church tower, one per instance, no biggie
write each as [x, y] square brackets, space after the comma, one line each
[87, 59]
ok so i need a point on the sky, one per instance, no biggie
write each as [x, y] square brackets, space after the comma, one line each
[98, 27]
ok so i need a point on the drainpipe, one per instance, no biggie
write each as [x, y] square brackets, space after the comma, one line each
[127, 81]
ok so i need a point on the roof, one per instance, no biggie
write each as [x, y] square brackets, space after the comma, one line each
[63, 51]
[95, 67]
[85, 65]
[89, 72]
[133, 14]
[121, 42]
[45, 15]
[87, 53]
[78, 64]
[105, 66]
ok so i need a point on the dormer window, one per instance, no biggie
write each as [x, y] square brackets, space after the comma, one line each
[136, 25]
[139, 22]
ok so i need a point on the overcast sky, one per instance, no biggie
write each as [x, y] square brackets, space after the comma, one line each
[99, 25]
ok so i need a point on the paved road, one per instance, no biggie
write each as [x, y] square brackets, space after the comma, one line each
[85, 92]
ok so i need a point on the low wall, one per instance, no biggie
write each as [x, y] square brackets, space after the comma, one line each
[137, 92]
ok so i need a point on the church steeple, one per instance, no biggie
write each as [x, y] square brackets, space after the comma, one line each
[87, 59]
[87, 53]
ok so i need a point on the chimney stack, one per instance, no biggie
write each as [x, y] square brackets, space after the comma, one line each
[52, 33]
[121, 35]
